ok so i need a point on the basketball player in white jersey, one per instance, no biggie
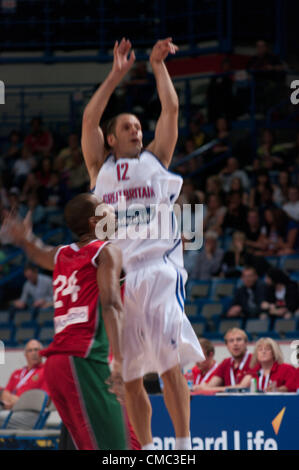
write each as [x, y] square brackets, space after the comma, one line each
[157, 335]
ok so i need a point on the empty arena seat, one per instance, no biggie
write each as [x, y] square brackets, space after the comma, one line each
[6, 333]
[223, 288]
[45, 316]
[191, 309]
[4, 316]
[227, 324]
[46, 334]
[284, 327]
[200, 289]
[199, 327]
[22, 317]
[290, 263]
[24, 334]
[257, 327]
[210, 309]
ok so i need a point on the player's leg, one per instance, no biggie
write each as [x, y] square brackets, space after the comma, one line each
[177, 400]
[139, 410]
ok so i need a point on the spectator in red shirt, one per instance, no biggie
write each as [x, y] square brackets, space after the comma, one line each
[271, 372]
[39, 141]
[26, 378]
[203, 371]
[231, 371]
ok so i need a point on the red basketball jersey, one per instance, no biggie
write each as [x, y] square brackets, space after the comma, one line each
[78, 324]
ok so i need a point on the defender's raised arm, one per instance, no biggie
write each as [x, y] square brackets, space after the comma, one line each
[92, 135]
[166, 132]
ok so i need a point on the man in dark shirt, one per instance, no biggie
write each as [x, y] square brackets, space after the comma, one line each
[236, 216]
[248, 298]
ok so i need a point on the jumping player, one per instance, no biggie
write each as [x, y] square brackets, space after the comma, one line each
[88, 309]
[157, 335]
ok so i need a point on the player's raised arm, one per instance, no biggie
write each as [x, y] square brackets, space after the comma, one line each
[41, 254]
[166, 132]
[92, 136]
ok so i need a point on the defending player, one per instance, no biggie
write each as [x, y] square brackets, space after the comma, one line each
[86, 274]
[157, 334]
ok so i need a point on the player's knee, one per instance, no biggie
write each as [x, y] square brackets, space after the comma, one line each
[172, 376]
[134, 387]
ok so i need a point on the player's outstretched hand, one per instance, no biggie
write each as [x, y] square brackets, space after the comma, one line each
[123, 57]
[161, 50]
[15, 229]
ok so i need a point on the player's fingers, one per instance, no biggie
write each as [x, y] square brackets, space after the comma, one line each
[132, 57]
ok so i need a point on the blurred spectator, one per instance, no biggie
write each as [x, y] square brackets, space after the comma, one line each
[208, 259]
[37, 211]
[44, 171]
[64, 160]
[196, 132]
[203, 371]
[282, 299]
[232, 370]
[236, 215]
[36, 290]
[3, 194]
[220, 97]
[11, 154]
[215, 212]
[280, 194]
[14, 200]
[291, 207]
[222, 134]
[56, 193]
[269, 154]
[255, 240]
[139, 91]
[39, 141]
[271, 373]
[22, 167]
[249, 297]
[238, 257]
[77, 175]
[292, 156]
[281, 233]
[231, 171]
[269, 75]
[257, 190]
[22, 380]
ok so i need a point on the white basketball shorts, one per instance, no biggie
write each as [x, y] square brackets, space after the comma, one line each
[157, 334]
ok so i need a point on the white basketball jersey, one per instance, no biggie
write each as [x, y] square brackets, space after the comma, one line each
[143, 193]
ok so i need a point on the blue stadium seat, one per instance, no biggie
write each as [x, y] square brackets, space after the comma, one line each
[283, 327]
[199, 289]
[290, 263]
[256, 327]
[223, 288]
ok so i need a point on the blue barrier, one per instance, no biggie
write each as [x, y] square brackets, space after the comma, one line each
[243, 422]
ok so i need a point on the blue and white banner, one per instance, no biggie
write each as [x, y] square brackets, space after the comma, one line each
[238, 422]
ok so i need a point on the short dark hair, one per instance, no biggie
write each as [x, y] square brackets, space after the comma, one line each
[77, 213]
[30, 267]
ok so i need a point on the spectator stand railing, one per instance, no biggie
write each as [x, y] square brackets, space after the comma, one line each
[90, 27]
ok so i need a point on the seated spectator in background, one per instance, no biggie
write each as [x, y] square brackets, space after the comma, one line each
[269, 75]
[22, 380]
[236, 215]
[281, 233]
[56, 194]
[215, 212]
[14, 200]
[203, 371]
[231, 371]
[37, 211]
[37, 289]
[281, 189]
[44, 171]
[231, 171]
[262, 183]
[222, 134]
[291, 207]
[235, 259]
[282, 299]
[220, 93]
[208, 259]
[271, 373]
[255, 240]
[269, 154]
[292, 156]
[249, 297]
[27, 378]
[64, 160]
[11, 154]
[213, 185]
[22, 167]
[197, 134]
[39, 141]
[237, 185]
[77, 175]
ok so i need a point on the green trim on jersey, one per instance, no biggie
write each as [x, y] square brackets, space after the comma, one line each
[100, 347]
